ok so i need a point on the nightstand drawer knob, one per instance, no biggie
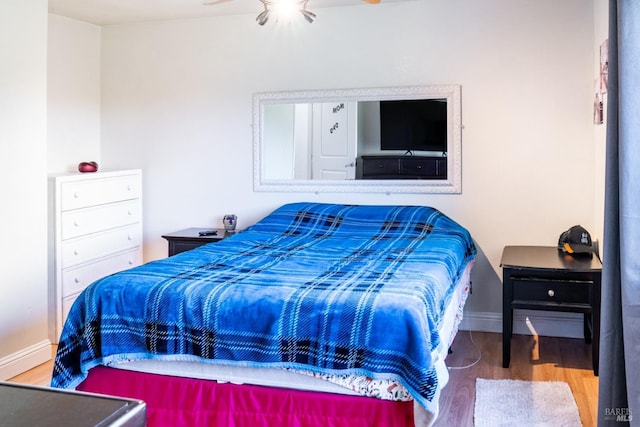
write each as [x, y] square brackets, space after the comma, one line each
[551, 292]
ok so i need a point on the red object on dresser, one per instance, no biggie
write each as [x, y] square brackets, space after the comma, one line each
[87, 167]
[175, 401]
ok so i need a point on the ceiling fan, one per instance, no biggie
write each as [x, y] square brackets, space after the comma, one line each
[269, 5]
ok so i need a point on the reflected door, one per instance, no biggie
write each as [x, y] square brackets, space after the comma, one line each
[335, 127]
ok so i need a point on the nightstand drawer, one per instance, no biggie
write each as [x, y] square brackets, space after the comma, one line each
[179, 247]
[568, 292]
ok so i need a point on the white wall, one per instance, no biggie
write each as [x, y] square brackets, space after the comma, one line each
[601, 30]
[73, 93]
[176, 101]
[23, 123]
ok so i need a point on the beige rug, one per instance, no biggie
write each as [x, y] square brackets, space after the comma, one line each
[524, 403]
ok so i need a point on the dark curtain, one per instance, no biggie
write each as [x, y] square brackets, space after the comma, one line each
[619, 389]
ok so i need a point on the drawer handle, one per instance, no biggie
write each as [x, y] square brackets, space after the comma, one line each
[551, 292]
[75, 252]
[129, 212]
[76, 195]
[130, 262]
[129, 237]
[75, 223]
[76, 280]
[128, 187]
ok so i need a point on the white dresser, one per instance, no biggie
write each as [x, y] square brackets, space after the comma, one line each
[95, 229]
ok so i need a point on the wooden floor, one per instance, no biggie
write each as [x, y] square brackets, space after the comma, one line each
[532, 358]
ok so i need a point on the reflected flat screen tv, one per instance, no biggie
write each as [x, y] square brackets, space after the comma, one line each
[414, 125]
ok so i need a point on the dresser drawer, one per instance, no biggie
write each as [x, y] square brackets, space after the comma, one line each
[417, 166]
[82, 249]
[380, 166]
[82, 194]
[92, 220]
[67, 302]
[74, 280]
[568, 292]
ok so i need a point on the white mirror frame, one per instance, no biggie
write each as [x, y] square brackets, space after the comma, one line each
[453, 183]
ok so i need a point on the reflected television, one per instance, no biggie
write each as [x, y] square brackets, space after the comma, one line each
[414, 125]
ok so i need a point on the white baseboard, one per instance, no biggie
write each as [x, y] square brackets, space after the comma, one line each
[25, 359]
[528, 322]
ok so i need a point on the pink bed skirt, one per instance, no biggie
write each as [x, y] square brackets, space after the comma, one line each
[174, 401]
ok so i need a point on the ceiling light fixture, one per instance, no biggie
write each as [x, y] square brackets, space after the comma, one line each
[282, 8]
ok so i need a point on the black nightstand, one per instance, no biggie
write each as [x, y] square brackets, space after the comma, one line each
[545, 278]
[187, 239]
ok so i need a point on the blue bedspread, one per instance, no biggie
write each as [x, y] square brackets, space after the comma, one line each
[321, 287]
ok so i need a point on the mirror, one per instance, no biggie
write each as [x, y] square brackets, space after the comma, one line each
[331, 141]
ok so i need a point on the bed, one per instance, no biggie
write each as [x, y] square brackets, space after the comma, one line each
[318, 314]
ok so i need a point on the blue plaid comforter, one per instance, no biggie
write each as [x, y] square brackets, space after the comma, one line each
[327, 288]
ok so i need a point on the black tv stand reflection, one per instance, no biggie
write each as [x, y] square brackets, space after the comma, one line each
[404, 167]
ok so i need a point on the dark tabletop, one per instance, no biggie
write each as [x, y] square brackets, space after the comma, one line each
[547, 257]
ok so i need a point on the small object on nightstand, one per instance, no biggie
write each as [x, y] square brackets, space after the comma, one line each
[576, 241]
[229, 221]
[191, 238]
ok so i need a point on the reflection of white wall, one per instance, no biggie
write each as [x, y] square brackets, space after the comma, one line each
[287, 136]
[368, 128]
[302, 141]
[278, 133]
